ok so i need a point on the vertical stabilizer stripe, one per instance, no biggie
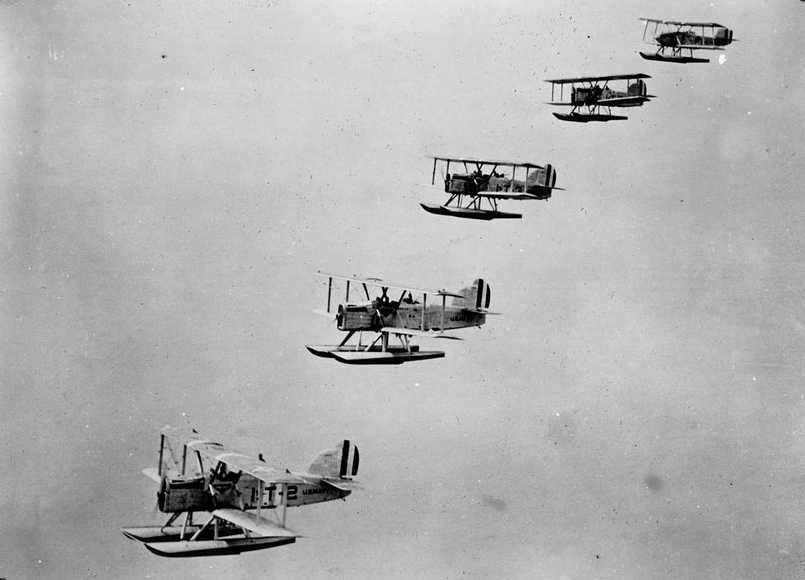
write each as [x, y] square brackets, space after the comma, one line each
[344, 458]
[479, 292]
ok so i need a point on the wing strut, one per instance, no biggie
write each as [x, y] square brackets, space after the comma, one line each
[202, 528]
[284, 501]
[161, 449]
[260, 489]
[424, 307]
[188, 519]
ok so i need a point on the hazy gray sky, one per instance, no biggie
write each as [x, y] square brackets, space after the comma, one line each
[175, 173]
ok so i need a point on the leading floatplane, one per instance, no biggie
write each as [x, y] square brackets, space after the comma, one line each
[674, 38]
[231, 493]
[404, 318]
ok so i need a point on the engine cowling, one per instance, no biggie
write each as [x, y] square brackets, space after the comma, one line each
[357, 317]
[181, 494]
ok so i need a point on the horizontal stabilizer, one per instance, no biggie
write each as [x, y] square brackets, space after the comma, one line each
[254, 523]
[343, 485]
[482, 311]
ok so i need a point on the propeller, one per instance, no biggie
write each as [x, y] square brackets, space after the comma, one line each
[332, 316]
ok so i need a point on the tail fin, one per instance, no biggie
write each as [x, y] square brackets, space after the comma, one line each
[723, 37]
[637, 89]
[474, 297]
[342, 461]
[545, 176]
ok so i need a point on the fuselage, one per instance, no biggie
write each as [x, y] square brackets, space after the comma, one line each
[377, 314]
[723, 37]
[298, 494]
[203, 493]
[537, 185]
[591, 96]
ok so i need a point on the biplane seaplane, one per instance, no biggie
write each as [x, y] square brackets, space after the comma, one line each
[230, 493]
[474, 193]
[678, 40]
[402, 318]
[592, 98]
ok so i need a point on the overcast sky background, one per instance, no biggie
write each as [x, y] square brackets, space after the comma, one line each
[175, 173]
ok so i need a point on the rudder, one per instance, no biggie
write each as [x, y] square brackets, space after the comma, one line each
[637, 89]
[341, 461]
[547, 176]
[541, 181]
[475, 297]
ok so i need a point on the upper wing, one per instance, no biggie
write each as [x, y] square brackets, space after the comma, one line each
[705, 24]
[234, 460]
[527, 164]
[668, 22]
[254, 523]
[592, 79]
[677, 23]
[380, 283]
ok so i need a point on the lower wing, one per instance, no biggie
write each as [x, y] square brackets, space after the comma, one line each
[699, 47]
[416, 332]
[521, 196]
[622, 101]
[254, 523]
